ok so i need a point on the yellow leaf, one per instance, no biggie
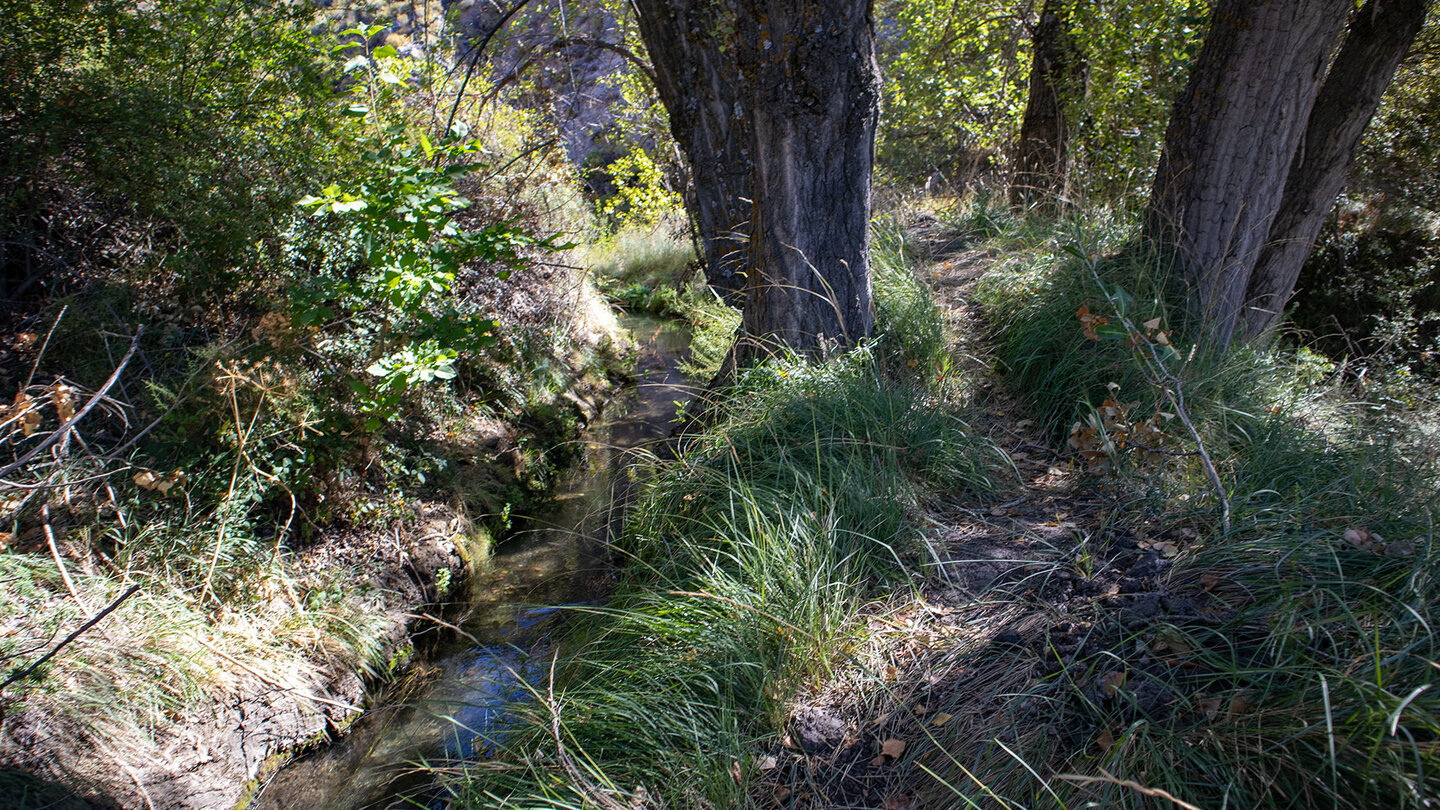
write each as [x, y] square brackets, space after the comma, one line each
[63, 396]
[1153, 323]
[940, 719]
[1106, 741]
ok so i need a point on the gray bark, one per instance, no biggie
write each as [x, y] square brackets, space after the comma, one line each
[697, 78]
[1041, 159]
[1380, 34]
[1232, 137]
[813, 98]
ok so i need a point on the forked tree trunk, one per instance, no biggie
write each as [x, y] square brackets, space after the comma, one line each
[813, 98]
[698, 80]
[1380, 34]
[1232, 137]
[1057, 71]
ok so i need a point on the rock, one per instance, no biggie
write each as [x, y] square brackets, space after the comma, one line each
[1144, 607]
[1148, 566]
[817, 730]
[1008, 638]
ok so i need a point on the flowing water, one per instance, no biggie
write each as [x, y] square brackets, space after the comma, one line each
[452, 702]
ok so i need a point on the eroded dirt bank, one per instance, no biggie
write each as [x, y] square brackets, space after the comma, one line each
[258, 714]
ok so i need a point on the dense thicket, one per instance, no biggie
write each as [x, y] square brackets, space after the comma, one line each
[177, 128]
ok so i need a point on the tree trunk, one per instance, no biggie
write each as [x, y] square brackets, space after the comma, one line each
[1232, 137]
[1056, 72]
[697, 78]
[813, 98]
[1380, 34]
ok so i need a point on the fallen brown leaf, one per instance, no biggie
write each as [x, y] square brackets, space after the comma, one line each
[898, 801]
[1111, 683]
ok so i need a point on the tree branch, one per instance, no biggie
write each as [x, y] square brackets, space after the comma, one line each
[70, 423]
[82, 628]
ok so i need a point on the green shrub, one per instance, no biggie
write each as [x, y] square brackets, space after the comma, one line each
[1373, 290]
[171, 120]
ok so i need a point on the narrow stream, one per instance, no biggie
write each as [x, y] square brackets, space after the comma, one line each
[450, 703]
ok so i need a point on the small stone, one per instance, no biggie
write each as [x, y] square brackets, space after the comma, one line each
[817, 730]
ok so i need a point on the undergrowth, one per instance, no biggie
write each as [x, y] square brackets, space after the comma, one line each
[253, 474]
[1302, 672]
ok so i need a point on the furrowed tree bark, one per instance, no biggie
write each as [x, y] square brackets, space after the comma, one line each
[1232, 137]
[1380, 34]
[697, 77]
[813, 99]
[1058, 69]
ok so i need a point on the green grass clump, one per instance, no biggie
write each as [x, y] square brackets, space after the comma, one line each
[908, 327]
[648, 257]
[746, 561]
[1032, 301]
[1308, 676]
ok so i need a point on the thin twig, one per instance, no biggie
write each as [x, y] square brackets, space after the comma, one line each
[460, 630]
[82, 628]
[242, 439]
[479, 50]
[59, 563]
[590, 789]
[1176, 394]
[43, 346]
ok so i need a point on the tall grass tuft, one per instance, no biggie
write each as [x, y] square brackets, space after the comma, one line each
[745, 562]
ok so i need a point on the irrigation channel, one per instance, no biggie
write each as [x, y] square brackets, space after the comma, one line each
[452, 703]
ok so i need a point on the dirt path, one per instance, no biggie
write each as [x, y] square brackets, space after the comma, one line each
[1033, 588]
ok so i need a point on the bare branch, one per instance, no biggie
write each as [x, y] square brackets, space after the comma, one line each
[82, 628]
[70, 423]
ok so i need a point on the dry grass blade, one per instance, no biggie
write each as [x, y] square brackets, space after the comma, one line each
[1108, 778]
